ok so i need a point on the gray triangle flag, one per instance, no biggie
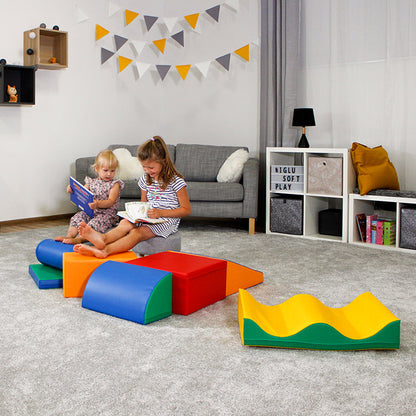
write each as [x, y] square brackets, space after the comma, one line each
[214, 12]
[163, 70]
[120, 41]
[224, 61]
[105, 55]
[150, 21]
[178, 37]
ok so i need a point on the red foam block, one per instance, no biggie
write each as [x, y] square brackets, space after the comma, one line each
[196, 281]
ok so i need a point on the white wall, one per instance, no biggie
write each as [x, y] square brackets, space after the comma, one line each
[84, 108]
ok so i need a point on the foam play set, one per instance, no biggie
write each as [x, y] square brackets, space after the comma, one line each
[303, 321]
[125, 286]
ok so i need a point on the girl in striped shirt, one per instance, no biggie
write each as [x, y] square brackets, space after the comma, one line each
[161, 185]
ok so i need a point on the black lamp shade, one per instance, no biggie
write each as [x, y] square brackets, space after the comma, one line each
[303, 117]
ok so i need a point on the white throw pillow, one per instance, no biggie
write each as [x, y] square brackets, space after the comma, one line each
[129, 167]
[232, 168]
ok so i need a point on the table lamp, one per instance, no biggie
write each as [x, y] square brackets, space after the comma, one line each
[303, 117]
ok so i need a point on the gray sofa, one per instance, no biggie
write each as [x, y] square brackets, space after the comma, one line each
[199, 164]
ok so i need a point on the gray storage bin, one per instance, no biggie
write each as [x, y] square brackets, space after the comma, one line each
[286, 215]
[408, 227]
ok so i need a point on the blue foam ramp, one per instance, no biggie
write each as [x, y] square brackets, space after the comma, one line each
[46, 277]
[50, 252]
[136, 293]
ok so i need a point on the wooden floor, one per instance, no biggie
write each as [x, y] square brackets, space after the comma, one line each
[33, 223]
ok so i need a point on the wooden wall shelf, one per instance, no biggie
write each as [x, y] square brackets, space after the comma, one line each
[23, 78]
[40, 45]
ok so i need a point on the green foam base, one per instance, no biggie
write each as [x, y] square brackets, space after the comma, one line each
[46, 277]
[323, 337]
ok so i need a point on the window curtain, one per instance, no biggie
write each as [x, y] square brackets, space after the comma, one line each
[280, 47]
[358, 66]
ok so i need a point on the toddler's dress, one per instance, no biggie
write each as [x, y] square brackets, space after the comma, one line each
[104, 218]
[163, 199]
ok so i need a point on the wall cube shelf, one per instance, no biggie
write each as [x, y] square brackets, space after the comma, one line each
[42, 46]
[23, 78]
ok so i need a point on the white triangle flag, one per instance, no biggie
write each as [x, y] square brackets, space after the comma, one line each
[234, 4]
[112, 8]
[203, 67]
[142, 67]
[256, 42]
[170, 23]
[81, 16]
[137, 45]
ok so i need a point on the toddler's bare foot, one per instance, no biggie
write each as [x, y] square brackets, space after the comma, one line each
[89, 251]
[94, 237]
[73, 240]
[60, 238]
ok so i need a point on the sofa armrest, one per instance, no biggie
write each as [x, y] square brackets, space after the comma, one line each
[251, 188]
[83, 168]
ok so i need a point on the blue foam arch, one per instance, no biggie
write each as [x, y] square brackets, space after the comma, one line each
[136, 293]
[50, 252]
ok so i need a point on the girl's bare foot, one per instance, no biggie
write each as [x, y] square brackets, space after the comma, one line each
[74, 240]
[89, 251]
[94, 237]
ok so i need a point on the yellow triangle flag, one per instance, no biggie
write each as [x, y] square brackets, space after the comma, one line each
[123, 62]
[160, 44]
[244, 52]
[100, 32]
[130, 16]
[183, 70]
[192, 19]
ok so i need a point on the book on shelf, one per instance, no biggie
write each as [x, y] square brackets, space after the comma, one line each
[369, 221]
[136, 212]
[361, 224]
[380, 231]
[81, 196]
[374, 231]
[389, 237]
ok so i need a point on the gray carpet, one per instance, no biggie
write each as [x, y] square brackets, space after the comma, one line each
[58, 358]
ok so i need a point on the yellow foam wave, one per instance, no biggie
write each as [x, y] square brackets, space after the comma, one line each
[362, 318]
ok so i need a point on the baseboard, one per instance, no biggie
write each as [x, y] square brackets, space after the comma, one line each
[22, 221]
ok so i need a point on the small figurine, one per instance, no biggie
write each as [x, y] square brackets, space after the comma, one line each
[12, 94]
[52, 60]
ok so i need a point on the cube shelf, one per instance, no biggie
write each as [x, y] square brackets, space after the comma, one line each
[385, 207]
[23, 78]
[312, 203]
[40, 45]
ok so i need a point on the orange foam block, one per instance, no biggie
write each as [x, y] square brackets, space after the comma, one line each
[77, 269]
[241, 277]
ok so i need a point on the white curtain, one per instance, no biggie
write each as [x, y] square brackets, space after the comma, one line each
[358, 72]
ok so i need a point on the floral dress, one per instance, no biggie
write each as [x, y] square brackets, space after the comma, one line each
[104, 218]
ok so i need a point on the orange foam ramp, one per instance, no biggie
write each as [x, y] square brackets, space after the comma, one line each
[77, 269]
[240, 277]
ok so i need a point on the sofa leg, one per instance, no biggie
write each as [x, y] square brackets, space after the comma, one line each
[251, 226]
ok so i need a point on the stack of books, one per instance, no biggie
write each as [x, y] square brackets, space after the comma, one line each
[376, 230]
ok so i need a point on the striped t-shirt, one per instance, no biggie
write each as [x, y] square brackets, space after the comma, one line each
[163, 199]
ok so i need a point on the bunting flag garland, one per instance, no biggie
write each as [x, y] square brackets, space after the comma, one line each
[224, 61]
[142, 67]
[100, 32]
[160, 44]
[214, 12]
[244, 52]
[234, 4]
[192, 19]
[183, 70]
[138, 45]
[112, 8]
[163, 70]
[170, 23]
[203, 67]
[120, 41]
[123, 63]
[130, 16]
[179, 38]
[81, 16]
[105, 55]
[150, 21]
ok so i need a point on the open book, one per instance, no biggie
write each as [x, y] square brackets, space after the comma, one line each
[81, 196]
[137, 212]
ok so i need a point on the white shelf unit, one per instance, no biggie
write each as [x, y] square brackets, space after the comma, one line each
[367, 204]
[312, 203]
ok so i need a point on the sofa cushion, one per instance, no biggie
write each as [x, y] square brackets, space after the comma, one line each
[215, 191]
[201, 163]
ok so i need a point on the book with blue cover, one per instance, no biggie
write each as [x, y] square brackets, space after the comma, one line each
[81, 196]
